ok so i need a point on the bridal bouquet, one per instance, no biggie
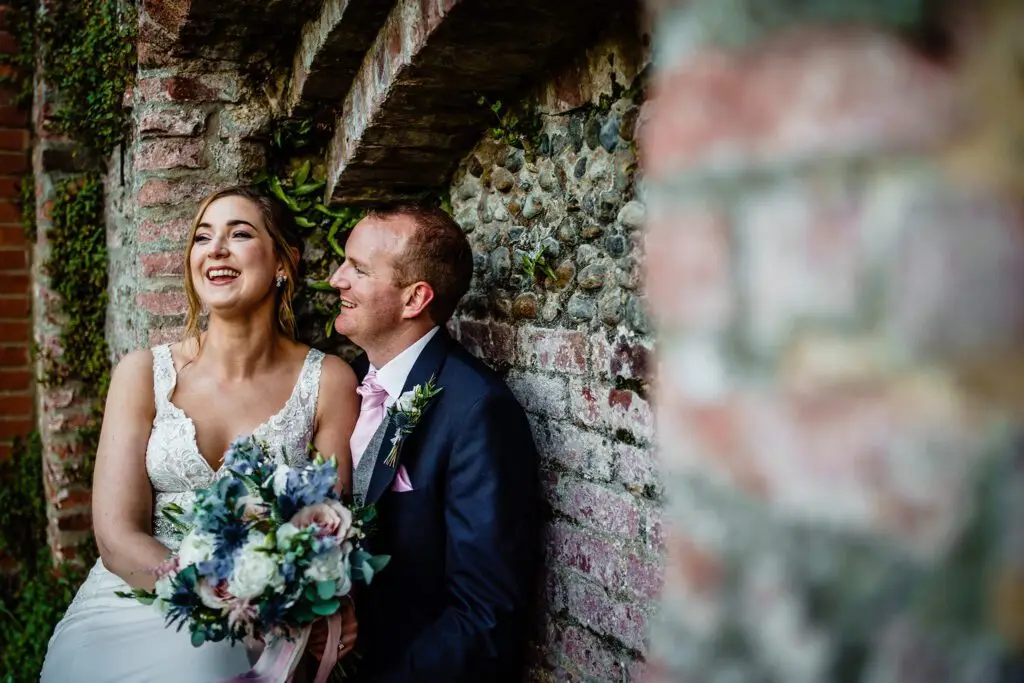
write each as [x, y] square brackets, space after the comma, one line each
[266, 550]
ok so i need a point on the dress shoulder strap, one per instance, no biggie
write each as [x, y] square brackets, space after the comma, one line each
[164, 377]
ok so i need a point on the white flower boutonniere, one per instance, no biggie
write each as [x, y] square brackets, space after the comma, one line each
[406, 413]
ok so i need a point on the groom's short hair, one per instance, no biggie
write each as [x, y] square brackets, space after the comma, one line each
[437, 253]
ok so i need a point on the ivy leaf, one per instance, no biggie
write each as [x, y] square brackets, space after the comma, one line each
[308, 188]
[302, 174]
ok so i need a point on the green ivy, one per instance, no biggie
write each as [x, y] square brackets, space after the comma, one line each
[88, 55]
[296, 175]
[20, 20]
[34, 598]
[27, 204]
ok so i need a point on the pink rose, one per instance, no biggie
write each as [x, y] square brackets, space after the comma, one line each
[214, 597]
[330, 517]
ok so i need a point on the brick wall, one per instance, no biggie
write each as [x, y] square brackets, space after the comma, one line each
[575, 351]
[837, 327]
[16, 382]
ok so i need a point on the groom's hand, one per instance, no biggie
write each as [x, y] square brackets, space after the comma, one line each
[349, 630]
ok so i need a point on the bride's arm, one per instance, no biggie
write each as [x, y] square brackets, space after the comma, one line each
[336, 413]
[122, 498]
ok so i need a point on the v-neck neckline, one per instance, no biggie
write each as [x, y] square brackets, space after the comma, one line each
[215, 471]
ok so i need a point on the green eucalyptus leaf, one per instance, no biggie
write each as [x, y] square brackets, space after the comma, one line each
[325, 589]
[326, 609]
[198, 637]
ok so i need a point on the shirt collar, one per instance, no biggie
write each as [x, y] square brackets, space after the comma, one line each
[392, 376]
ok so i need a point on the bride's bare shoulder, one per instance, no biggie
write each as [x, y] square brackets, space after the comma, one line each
[337, 377]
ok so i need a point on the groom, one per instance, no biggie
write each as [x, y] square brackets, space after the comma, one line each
[457, 500]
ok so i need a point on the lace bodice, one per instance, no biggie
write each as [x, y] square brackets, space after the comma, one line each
[175, 466]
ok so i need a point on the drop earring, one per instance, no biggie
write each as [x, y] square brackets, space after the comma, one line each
[280, 281]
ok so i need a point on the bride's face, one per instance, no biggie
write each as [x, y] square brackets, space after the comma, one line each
[232, 259]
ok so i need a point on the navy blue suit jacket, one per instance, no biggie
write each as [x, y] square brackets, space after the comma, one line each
[454, 603]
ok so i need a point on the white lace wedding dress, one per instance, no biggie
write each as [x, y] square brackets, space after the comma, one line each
[106, 639]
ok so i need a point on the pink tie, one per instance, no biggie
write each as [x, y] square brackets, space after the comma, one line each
[371, 413]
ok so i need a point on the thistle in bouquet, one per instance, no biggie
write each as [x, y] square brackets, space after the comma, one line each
[266, 550]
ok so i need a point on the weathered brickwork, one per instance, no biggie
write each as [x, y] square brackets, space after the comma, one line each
[572, 340]
[837, 324]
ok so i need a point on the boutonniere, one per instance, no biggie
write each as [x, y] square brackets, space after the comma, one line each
[406, 413]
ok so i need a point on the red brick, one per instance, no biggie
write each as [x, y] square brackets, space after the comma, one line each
[14, 356]
[172, 231]
[10, 188]
[15, 380]
[13, 116]
[14, 140]
[13, 162]
[208, 88]
[178, 121]
[14, 331]
[575, 548]
[576, 449]
[165, 335]
[644, 577]
[75, 498]
[16, 426]
[14, 283]
[14, 307]
[489, 341]
[624, 356]
[553, 349]
[601, 406]
[16, 405]
[157, 155]
[8, 45]
[78, 521]
[593, 607]
[540, 394]
[164, 263]
[11, 236]
[162, 303]
[803, 94]
[159, 192]
[594, 658]
[598, 508]
[13, 259]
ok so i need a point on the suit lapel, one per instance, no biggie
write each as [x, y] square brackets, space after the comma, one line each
[428, 364]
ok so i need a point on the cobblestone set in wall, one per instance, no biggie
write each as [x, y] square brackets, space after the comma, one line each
[575, 350]
[837, 327]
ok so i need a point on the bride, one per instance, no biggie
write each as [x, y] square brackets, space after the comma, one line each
[170, 414]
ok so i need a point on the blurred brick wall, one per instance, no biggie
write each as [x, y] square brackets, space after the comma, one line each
[839, 330]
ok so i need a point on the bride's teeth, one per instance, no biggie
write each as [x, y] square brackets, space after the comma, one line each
[223, 272]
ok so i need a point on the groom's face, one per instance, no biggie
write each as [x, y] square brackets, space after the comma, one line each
[371, 302]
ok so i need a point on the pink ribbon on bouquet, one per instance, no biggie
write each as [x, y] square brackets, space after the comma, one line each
[280, 658]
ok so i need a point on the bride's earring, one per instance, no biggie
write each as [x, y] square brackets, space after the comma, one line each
[280, 281]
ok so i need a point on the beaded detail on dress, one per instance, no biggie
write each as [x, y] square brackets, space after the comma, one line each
[175, 466]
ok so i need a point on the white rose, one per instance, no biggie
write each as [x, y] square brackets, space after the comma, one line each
[214, 597]
[254, 570]
[281, 478]
[405, 402]
[285, 533]
[164, 590]
[196, 547]
[327, 566]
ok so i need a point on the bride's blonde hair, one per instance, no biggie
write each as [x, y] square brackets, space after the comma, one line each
[280, 225]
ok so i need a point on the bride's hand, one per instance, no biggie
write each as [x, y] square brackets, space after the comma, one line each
[349, 630]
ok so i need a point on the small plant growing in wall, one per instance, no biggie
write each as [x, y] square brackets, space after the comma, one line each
[535, 262]
[511, 127]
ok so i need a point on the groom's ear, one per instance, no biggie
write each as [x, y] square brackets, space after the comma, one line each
[417, 297]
